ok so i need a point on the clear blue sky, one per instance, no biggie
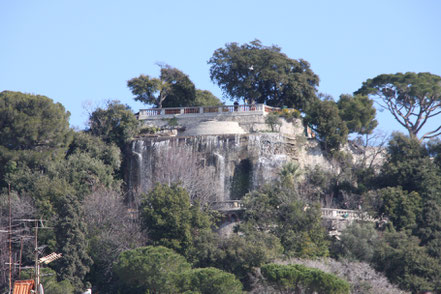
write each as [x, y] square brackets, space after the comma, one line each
[83, 52]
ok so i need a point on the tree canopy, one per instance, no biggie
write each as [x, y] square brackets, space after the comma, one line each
[161, 270]
[158, 269]
[170, 220]
[33, 131]
[32, 121]
[297, 278]
[323, 117]
[277, 210]
[173, 88]
[71, 241]
[358, 112]
[206, 98]
[213, 281]
[74, 180]
[115, 123]
[412, 98]
[263, 74]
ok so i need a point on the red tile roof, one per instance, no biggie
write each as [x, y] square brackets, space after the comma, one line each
[23, 287]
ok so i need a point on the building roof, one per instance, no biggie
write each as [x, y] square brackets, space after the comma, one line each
[23, 287]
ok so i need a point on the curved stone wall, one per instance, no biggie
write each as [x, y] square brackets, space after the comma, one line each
[213, 127]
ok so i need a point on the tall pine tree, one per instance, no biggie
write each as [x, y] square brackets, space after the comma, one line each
[70, 233]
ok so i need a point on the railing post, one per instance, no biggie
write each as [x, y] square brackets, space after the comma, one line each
[201, 109]
[182, 110]
[162, 111]
[219, 110]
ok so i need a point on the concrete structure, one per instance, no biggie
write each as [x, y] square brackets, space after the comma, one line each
[207, 111]
[212, 120]
[333, 214]
[335, 220]
[232, 148]
[345, 215]
[220, 153]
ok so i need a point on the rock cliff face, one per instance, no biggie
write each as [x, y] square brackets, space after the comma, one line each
[216, 166]
[227, 165]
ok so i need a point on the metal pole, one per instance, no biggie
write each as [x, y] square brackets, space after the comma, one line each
[37, 270]
[21, 255]
[10, 239]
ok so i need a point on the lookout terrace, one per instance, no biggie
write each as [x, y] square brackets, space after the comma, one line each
[207, 111]
[214, 120]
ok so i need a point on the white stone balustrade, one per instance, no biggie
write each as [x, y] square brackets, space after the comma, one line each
[327, 213]
[345, 214]
[204, 110]
[229, 205]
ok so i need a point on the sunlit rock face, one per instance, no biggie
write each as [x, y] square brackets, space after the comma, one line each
[223, 158]
[224, 167]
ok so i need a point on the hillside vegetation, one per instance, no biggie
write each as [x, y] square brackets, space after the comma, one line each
[166, 241]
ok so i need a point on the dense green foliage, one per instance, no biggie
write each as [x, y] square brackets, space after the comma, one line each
[412, 98]
[300, 279]
[357, 242]
[85, 143]
[407, 263]
[49, 280]
[158, 269]
[263, 74]
[242, 254]
[323, 117]
[206, 98]
[332, 122]
[163, 241]
[212, 281]
[167, 215]
[161, 270]
[33, 131]
[358, 112]
[172, 89]
[278, 210]
[180, 89]
[402, 208]
[115, 123]
[71, 242]
[32, 122]
[408, 195]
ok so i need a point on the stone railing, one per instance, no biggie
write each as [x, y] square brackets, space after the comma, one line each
[327, 213]
[205, 110]
[229, 205]
[345, 214]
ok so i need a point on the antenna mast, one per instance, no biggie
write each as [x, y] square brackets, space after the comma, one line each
[37, 266]
[10, 239]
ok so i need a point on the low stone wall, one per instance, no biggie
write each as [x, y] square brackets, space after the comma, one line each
[204, 110]
[213, 127]
[250, 122]
[216, 123]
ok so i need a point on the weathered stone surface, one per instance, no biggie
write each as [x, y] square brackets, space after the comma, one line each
[214, 127]
[218, 157]
[221, 157]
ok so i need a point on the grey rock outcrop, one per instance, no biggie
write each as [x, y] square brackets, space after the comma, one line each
[219, 157]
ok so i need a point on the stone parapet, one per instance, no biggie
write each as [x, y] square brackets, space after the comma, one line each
[205, 111]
